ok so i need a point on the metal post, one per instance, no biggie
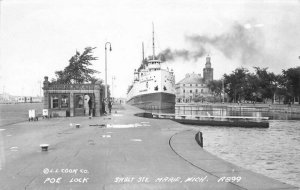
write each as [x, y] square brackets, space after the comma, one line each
[106, 67]
[112, 86]
[105, 92]
[0, 30]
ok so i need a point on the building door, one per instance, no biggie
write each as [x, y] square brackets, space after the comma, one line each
[86, 104]
[79, 105]
[89, 104]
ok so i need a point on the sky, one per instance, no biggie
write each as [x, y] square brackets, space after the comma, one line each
[38, 37]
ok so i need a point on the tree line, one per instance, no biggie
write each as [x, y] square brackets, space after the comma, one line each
[260, 86]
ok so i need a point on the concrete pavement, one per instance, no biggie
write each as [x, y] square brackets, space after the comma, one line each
[119, 151]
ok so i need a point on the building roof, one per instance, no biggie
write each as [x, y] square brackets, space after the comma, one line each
[192, 78]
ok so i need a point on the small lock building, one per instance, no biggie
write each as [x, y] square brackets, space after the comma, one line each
[69, 100]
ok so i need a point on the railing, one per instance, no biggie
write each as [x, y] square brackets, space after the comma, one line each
[211, 118]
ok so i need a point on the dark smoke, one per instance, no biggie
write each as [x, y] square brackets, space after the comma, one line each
[239, 42]
[170, 55]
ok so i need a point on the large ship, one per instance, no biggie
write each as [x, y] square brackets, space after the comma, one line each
[153, 87]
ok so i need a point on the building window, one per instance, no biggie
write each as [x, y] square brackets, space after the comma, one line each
[201, 90]
[183, 91]
[191, 91]
[54, 101]
[191, 85]
[59, 101]
[183, 85]
[196, 90]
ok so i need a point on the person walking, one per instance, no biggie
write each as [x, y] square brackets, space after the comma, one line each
[109, 106]
[103, 106]
[90, 107]
[106, 105]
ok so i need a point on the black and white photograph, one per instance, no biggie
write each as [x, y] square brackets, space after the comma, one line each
[149, 94]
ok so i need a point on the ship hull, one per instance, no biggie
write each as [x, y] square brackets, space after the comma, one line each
[154, 101]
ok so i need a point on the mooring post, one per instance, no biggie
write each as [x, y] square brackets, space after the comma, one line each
[199, 138]
[44, 147]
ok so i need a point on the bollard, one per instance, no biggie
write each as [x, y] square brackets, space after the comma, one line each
[44, 147]
[199, 138]
[77, 125]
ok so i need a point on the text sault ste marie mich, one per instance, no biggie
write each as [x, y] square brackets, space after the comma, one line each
[175, 179]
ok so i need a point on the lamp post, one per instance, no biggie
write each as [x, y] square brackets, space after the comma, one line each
[112, 85]
[106, 67]
[0, 30]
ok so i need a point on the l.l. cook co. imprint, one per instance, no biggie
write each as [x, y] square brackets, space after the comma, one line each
[65, 171]
[65, 176]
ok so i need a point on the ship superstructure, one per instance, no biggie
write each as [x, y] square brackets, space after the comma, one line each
[153, 87]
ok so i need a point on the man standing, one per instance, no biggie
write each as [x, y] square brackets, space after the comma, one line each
[109, 105]
[90, 107]
[103, 106]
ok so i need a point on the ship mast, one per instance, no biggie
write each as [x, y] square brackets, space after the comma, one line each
[153, 45]
[143, 52]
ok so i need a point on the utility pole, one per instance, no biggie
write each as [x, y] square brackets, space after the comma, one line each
[0, 31]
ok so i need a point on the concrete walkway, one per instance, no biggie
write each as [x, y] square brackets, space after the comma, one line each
[119, 151]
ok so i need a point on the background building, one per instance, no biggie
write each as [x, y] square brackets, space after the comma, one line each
[193, 85]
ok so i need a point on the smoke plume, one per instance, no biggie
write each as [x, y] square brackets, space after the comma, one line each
[244, 42]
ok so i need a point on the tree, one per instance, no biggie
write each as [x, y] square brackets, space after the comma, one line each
[77, 71]
[281, 90]
[266, 82]
[292, 82]
[215, 87]
[236, 84]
